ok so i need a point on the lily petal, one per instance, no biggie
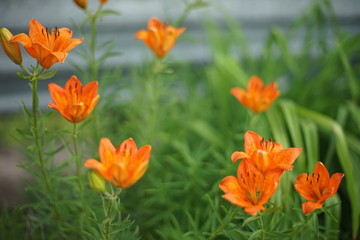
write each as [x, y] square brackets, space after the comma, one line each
[322, 176]
[317, 187]
[286, 157]
[159, 37]
[252, 142]
[332, 187]
[238, 155]
[254, 210]
[107, 152]
[122, 166]
[308, 207]
[233, 193]
[47, 46]
[304, 188]
[74, 102]
[257, 97]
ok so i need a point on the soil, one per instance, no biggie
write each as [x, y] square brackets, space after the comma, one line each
[11, 177]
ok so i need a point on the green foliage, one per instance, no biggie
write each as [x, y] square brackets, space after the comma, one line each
[184, 110]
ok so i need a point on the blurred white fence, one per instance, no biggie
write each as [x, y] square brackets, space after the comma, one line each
[254, 16]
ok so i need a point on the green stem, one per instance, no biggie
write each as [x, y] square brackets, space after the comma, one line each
[304, 223]
[261, 223]
[26, 70]
[76, 156]
[108, 220]
[222, 227]
[154, 88]
[188, 8]
[92, 44]
[93, 65]
[94, 68]
[253, 123]
[39, 149]
[113, 199]
[183, 16]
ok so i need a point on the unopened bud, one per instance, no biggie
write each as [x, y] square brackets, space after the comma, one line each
[12, 49]
[81, 3]
[103, 1]
[97, 182]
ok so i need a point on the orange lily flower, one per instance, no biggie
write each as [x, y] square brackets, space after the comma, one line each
[47, 47]
[317, 188]
[159, 37]
[251, 189]
[11, 49]
[74, 102]
[257, 97]
[122, 166]
[266, 155]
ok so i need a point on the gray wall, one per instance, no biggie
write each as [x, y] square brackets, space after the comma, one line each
[255, 16]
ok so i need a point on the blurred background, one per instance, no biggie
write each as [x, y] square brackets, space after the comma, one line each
[255, 17]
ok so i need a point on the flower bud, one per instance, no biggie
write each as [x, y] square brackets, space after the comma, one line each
[97, 182]
[81, 3]
[103, 1]
[12, 49]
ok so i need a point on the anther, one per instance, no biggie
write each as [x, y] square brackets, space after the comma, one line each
[57, 32]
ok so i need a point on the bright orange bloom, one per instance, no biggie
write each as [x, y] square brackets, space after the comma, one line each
[257, 97]
[251, 189]
[11, 49]
[81, 3]
[318, 187]
[47, 47]
[74, 102]
[122, 166]
[159, 37]
[266, 155]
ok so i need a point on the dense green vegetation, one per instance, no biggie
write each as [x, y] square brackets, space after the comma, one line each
[186, 113]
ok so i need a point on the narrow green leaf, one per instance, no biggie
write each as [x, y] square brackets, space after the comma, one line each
[200, 4]
[206, 131]
[108, 12]
[311, 140]
[280, 235]
[23, 76]
[214, 208]
[230, 66]
[25, 109]
[249, 220]
[281, 41]
[255, 234]
[293, 125]
[277, 124]
[355, 113]
[269, 211]
[329, 213]
[47, 75]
